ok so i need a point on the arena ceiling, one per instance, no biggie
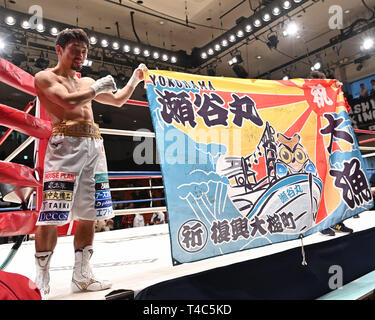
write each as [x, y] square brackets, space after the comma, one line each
[191, 25]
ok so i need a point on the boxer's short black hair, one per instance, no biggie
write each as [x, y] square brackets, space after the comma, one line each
[67, 35]
[317, 75]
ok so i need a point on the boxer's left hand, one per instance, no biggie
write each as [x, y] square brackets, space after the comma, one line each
[138, 75]
[339, 84]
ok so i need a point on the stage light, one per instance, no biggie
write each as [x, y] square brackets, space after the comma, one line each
[126, 48]
[173, 59]
[368, 43]
[155, 55]
[297, 1]
[286, 4]
[267, 17]
[224, 43]
[10, 20]
[40, 28]
[285, 77]
[291, 29]
[257, 23]
[137, 50]
[164, 57]
[2, 44]
[276, 11]
[240, 34]
[146, 53]
[204, 55]
[248, 28]
[115, 45]
[25, 24]
[93, 40]
[104, 43]
[54, 31]
[217, 47]
[232, 38]
[235, 60]
[210, 52]
[87, 63]
[316, 66]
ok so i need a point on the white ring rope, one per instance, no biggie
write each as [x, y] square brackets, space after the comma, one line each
[128, 133]
[148, 134]
[367, 148]
[137, 188]
[125, 212]
[368, 155]
[19, 149]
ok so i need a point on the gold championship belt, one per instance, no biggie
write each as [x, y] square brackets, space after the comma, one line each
[77, 128]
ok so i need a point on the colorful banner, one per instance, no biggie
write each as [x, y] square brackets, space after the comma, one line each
[248, 163]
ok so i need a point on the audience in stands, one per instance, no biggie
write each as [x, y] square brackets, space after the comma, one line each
[364, 92]
[103, 225]
[157, 218]
[138, 221]
[372, 91]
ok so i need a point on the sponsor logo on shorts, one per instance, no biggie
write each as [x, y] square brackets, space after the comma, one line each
[55, 205]
[103, 204]
[102, 195]
[59, 176]
[58, 195]
[58, 185]
[101, 177]
[53, 216]
[104, 212]
[102, 186]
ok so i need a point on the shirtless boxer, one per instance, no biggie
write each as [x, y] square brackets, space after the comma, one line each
[75, 177]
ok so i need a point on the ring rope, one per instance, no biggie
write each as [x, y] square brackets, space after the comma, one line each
[12, 252]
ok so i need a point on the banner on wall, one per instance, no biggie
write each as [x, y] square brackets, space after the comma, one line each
[362, 113]
[248, 163]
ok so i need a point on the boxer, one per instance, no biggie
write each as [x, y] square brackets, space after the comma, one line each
[76, 183]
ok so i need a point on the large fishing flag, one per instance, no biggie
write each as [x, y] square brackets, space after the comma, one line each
[247, 163]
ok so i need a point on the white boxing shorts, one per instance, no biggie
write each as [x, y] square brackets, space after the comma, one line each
[75, 184]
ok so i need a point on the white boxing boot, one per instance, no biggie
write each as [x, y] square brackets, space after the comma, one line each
[42, 262]
[83, 278]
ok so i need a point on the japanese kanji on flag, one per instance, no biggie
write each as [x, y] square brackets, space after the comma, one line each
[248, 163]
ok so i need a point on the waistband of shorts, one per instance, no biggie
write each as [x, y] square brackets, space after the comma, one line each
[77, 128]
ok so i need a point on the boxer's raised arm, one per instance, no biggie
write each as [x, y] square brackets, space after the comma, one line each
[119, 98]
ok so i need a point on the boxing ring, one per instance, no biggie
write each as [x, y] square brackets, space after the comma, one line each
[133, 259]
